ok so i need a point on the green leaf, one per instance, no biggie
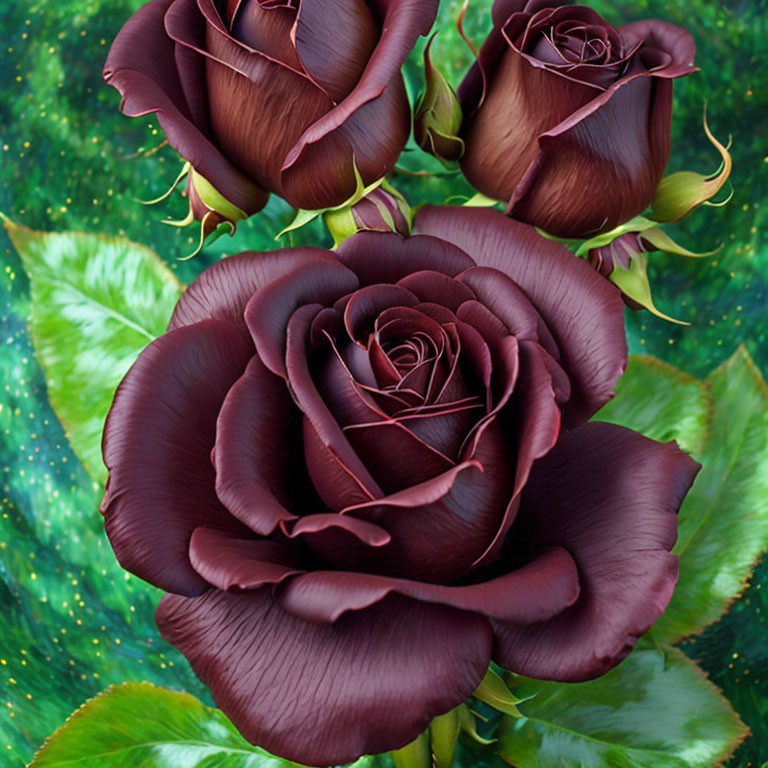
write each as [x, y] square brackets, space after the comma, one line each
[138, 724]
[96, 303]
[724, 519]
[652, 711]
[660, 402]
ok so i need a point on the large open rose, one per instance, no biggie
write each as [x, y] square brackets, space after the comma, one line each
[567, 117]
[366, 474]
[280, 96]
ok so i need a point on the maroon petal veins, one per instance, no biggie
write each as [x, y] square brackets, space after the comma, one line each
[231, 563]
[610, 496]
[259, 474]
[335, 40]
[222, 291]
[372, 681]
[402, 21]
[157, 447]
[397, 257]
[534, 592]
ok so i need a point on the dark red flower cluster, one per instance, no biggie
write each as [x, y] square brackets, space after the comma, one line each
[364, 475]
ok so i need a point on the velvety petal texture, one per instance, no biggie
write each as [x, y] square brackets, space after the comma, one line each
[327, 693]
[363, 475]
[592, 106]
[274, 97]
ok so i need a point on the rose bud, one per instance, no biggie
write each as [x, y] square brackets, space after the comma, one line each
[437, 121]
[363, 475]
[382, 210]
[265, 96]
[567, 119]
[624, 262]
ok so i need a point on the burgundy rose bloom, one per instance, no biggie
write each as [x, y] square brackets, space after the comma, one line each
[267, 96]
[364, 475]
[568, 118]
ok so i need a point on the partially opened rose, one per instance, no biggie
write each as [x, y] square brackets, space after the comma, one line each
[364, 475]
[567, 118]
[266, 96]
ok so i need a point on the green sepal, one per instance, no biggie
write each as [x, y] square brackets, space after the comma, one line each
[214, 200]
[661, 241]
[479, 200]
[341, 225]
[443, 735]
[679, 193]
[633, 283]
[636, 224]
[414, 755]
[494, 692]
[303, 217]
[469, 725]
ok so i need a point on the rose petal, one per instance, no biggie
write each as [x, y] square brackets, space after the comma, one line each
[381, 257]
[267, 31]
[260, 476]
[368, 683]
[668, 38]
[610, 496]
[157, 445]
[582, 310]
[269, 311]
[534, 420]
[366, 304]
[222, 290]
[437, 288]
[536, 591]
[371, 139]
[402, 21]
[231, 563]
[501, 295]
[621, 175]
[440, 527]
[250, 96]
[335, 39]
[336, 470]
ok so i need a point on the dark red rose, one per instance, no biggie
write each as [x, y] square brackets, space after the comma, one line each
[574, 127]
[267, 96]
[364, 475]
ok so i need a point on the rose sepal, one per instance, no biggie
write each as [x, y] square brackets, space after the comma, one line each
[680, 193]
[633, 283]
[494, 692]
[304, 217]
[443, 736]
[417, 754]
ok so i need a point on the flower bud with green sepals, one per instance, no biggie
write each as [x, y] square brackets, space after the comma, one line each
[383, 209]
[438, 117]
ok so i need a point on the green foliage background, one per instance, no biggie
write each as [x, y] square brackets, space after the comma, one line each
[71, 622]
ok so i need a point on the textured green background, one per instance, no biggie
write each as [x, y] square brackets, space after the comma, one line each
[71, 622]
